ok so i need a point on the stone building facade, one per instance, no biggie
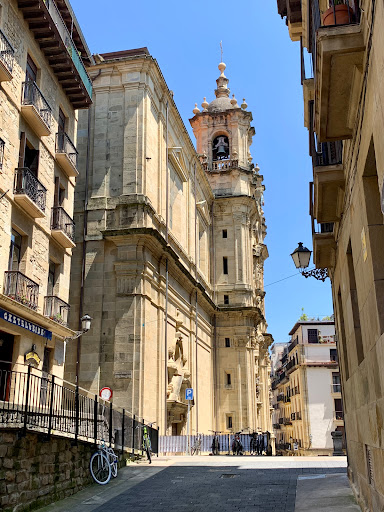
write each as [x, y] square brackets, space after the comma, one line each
[307, 391]
[168, 314]
[343, 105]
[43, 83]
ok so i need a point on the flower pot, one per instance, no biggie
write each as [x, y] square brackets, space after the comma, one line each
[338, 15]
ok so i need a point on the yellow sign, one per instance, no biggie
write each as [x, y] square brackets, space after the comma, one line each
[32, 357]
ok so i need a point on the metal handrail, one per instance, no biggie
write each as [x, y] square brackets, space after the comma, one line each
[7, 53]
[31, 399]
[31, 95]
[62, 221]
[21, 288]
[27, 183]
[65, 145]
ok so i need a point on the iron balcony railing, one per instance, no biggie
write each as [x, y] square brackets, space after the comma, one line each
[31, 95]
[292, 345]
[63, 222]
[31, 399]
[19, 287]
[27, 183]
[277, 426]
[2, 144]
[56, 309]
[65, 145]
[339, 415]
[7, 53]
[69, 44]
[328, 153]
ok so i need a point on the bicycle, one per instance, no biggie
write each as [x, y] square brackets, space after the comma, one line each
[147, 447]
[196, 448]
[103, 464]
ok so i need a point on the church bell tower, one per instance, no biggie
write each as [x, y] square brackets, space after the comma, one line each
[224, 134]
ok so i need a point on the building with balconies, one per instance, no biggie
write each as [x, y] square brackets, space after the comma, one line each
[43, 84]
[308, 391]
[343, 101]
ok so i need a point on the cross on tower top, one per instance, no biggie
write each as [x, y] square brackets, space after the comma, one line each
[221, 50]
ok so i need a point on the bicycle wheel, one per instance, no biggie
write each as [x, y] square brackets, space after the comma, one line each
[100, 468]
[193, 449]
[148, 454]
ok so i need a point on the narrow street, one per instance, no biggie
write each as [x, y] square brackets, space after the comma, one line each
[221, 484]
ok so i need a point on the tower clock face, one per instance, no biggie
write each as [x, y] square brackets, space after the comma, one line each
[220, 148]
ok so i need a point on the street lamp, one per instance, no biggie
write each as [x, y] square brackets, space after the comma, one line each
[85, 326]
[301, 256]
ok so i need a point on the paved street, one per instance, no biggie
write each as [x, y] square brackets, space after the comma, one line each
[222, 484]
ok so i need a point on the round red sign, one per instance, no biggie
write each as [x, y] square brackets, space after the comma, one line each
[106, 393]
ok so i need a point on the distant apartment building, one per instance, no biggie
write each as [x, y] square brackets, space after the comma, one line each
[307, 403]
[43, 83]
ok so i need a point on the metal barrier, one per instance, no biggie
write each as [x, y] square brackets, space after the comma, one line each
[32, 400]
[179, 444]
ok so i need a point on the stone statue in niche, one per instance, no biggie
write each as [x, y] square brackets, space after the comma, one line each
[176, 364]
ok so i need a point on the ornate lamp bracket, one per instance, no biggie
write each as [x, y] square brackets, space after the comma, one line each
[320, 274]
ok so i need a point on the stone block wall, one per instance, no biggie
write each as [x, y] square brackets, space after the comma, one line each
[35, 472]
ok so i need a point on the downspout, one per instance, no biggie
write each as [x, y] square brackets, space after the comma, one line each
[85, 221]
[166, 277]
[196, 305]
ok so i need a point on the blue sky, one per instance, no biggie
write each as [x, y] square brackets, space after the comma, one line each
[263, 66]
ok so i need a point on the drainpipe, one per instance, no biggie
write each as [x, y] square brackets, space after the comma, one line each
[85, 221]
[166, 278]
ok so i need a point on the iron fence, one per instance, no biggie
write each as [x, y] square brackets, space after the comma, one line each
[65, 145]
[62, 221]
[7, 53]
[19, 287]
[31, 95]
[56, 309]
[27, 183]
[34, 400]
[180, 444]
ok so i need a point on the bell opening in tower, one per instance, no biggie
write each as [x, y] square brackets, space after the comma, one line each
[220, 148]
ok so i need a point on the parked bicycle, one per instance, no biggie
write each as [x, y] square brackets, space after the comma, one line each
[196, 448]
[103, 464]
[147, 447]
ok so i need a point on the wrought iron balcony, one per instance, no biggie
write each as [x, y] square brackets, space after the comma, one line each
[56, 309]
[29, 193]
[66, 154]
[7, 56]
[46, 21]
[339, 415]
[292, 345]
[276, 426]
[63, 227]
[36, 109]
[19, 287]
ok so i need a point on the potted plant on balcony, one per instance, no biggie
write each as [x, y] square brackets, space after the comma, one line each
[339, 13]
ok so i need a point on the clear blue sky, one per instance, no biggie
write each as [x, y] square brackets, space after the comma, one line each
[263, 66]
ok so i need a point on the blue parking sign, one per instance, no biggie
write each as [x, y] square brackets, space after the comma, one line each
[189, 394]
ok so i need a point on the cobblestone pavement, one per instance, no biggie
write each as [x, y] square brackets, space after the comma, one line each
[190, 484]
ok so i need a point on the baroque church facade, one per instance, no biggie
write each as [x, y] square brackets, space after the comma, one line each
[169, 254]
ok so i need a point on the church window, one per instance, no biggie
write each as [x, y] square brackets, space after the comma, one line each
[228, 379]
[226, 299]
[227, 342]
[225, 265]
[220, 148]
[229, 422]
[225, 234]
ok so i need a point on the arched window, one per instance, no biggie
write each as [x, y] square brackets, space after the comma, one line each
[220, 148]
